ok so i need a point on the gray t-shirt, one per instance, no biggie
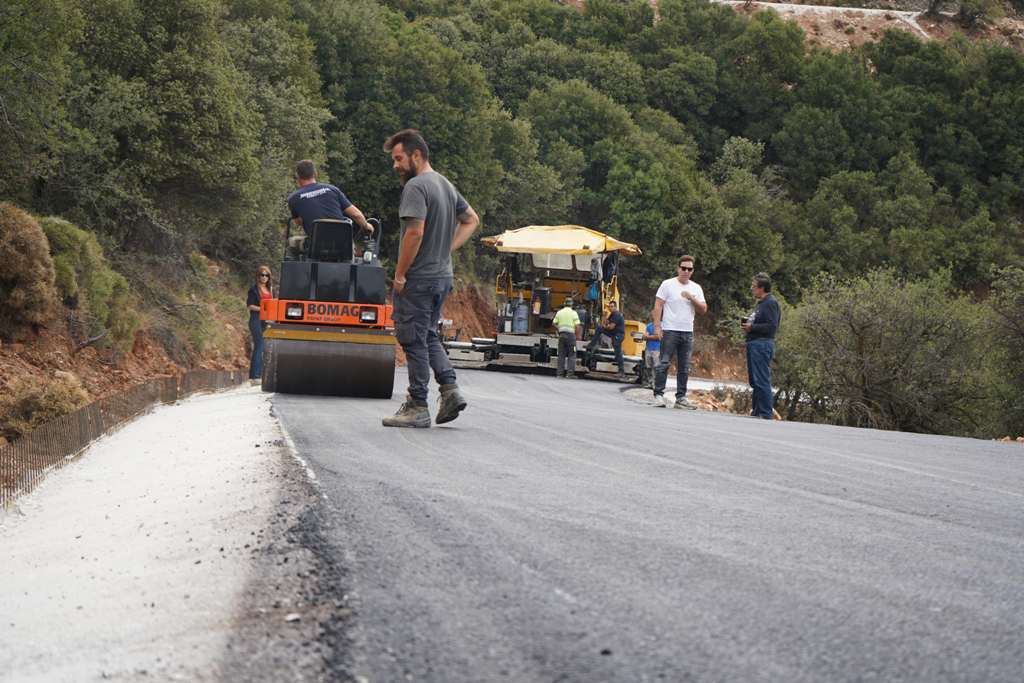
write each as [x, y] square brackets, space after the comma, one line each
[431, 198]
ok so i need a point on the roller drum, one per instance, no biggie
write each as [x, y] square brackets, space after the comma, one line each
[328, 368]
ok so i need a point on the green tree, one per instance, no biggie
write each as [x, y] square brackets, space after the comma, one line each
[615, 22]
[738, 154]
[166, 150]
[576, 113]
[890, 354]
[842, 86]
[811, 145]
[838, 235]
[757, 71]
[275, 59]
[1006, 328]
[35, 39]
[973, 13]
[686, 87]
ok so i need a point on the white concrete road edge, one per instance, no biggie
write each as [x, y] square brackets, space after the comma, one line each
[131, 563]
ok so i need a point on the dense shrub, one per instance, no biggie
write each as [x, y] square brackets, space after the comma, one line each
[974, 13]
[30, 402]
[99, 295]
[27, 276]
[1006, 327]
[876, 351]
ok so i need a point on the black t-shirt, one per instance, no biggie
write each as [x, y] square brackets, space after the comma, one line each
[620, 325]
[315, 201]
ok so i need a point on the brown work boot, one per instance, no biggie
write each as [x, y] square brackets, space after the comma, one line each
[451, 403]
[413, 413]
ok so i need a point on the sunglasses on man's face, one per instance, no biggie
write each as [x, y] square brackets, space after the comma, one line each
[685, 268]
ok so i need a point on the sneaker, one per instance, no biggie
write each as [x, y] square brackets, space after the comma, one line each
[659, 401]
[450, 405]
[683, 404]
[413, 413]
[620, 375]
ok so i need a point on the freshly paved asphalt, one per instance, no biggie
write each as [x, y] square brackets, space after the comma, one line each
[559, 532]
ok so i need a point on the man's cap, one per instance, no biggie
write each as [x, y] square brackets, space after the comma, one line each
[568, 301]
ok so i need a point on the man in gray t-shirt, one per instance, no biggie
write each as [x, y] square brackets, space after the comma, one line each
[429, 197]
[436, 220]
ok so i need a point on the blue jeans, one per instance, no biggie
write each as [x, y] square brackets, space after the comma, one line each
[616, 346]
[256, 362]
[677, 345]
[416, 312]
[759, 375]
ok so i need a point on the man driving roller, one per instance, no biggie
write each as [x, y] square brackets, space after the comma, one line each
[315, 200]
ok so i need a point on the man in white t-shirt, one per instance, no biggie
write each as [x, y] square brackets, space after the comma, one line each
[677, 302]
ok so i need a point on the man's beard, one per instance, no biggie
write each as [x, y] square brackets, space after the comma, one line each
[407, 175]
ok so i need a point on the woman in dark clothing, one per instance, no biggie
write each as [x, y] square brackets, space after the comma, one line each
[259, 291]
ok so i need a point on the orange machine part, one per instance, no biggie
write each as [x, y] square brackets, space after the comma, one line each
[326, 313]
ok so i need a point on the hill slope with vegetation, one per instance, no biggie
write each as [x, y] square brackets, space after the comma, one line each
[168, 131]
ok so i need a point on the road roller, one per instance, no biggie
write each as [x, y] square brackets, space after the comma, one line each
[330, 331]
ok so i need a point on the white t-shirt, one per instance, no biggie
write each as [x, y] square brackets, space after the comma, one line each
[677, 313]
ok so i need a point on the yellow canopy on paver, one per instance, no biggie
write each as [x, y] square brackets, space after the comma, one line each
[558, 239]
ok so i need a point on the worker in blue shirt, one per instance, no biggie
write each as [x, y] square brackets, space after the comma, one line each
[652, 353]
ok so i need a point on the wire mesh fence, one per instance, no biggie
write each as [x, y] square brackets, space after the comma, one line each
[25, 462]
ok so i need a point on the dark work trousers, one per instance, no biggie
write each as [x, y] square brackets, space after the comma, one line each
[679, 346]
[416, 312]
[759, 375]
[256, 362]
[566, 353]
[616, 346]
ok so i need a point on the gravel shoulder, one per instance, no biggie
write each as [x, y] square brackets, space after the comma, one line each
[182, 547]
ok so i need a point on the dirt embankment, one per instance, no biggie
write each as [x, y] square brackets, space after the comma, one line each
[841, 28]
[51, 354]
[834, 27]
[471, 310]
[40, 356]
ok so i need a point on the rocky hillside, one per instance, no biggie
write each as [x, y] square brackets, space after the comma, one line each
[840, 25]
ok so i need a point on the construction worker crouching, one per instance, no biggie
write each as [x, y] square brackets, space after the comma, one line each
[567, 322]
[615, 329]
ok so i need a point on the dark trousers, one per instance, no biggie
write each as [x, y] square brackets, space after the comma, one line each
[566, 353]
[416, 312]
[677, 345]
[256, 361]
[616, 346]
[759, 375]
